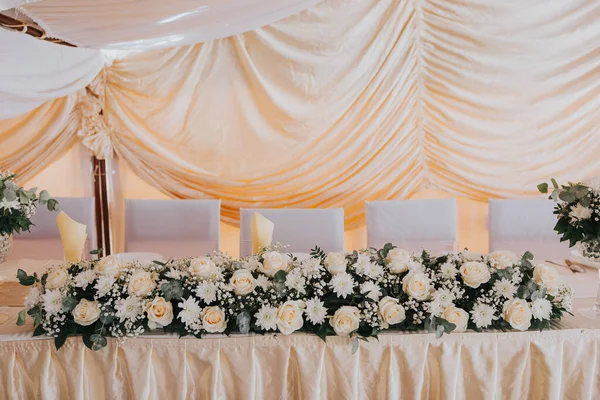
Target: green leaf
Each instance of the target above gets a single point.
(280, 276)
(60, 340)
(585, 201)
(97, 251)
(21, 318)
(554, 183)
(68, 304)
(52, 205)
(543, 188)
(39, 331)
(355, 344)
(172, 290)
(44, 196)
(9, 195)
(567, 196)
(23, 199)
(98, 341)
(21, 275)
(439, 331)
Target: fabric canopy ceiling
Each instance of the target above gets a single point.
(353, 100)
(139, 25)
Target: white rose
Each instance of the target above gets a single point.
(335, 263)
(289, 317)
(203, 267)
(345, 320)
(398, 260)
(141, 283)
(474, 273)
(108, 266)
(547, 277)
(458, 317)
(391, 311)
(213, 319)
(159, 311)
(242, 282)
(86, 312)
(503, 259)
(517, 313)
(57, 278)
(273, 262)
(417, 286)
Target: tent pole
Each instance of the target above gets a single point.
(101, 206)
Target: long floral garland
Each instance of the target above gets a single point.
(358, 294)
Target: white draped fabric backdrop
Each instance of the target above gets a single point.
(346, 101)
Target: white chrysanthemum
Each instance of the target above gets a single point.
(104, 284)
(266, 318)
(483, 315)
(444, 297)
(52, 301)
(415, 266)
(315, 311)
(579, 213)
(504, 287)
(437, 308)
(541, 309)
(33, 298)
(310, 266)
(294, 280)
(342, 284)
(190, 311)
(128, 308)
(10, 205)
(174, 274)
(263, 282)
(371, 290)
(85, 278)
(251, 264)
(373, 270)
(207, 291)
(448, 270)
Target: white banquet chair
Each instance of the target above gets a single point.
(43, 242)
(300, 229)
(413, 225)
(521, 225)
(172, 228)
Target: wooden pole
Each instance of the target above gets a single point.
(101, 206)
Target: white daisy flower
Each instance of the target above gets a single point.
(444, 297)
(504, 287)
(483, 315)
(266, 318)
(207, 291)
(579, 213)
(174, 273)
(251, 264)
(52, 301)
(448, 270)
(310, 266)
(263, 282)
(294, 280)
(104, 284)
(129, 308)
(415, 266)
(33, 298)
(342, 284)
(190, 311)
(85, 278)
(315, 311)
(370, 290)
(541, 309)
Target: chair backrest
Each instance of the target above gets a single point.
(413, 225)
(523, 225)
(301, 229)
(43, 242)
(172, 228)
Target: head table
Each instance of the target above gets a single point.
(559, 363)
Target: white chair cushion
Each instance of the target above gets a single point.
(301, 229)
(173, 228)
(413, 225)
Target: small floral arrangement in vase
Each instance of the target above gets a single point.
(17, 206)
(578, 212)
